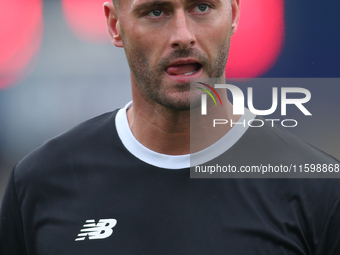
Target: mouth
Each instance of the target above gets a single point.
(183, 69)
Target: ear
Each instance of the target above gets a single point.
(113, 27)
(235, 5)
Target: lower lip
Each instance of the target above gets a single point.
(181, 78)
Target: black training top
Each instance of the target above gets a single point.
(84, 192)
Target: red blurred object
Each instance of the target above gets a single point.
(86, 19)
(20, 35)
(259, 38)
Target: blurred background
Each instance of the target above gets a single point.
(58, 67)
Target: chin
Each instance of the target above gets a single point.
(179, 103)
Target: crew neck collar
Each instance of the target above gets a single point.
(177, 161)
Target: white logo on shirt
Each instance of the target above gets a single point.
(101, 230)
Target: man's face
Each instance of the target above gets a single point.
(169, 42)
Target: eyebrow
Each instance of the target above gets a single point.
(155, 3)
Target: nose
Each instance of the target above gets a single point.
(182, 36)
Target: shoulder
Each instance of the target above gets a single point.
(65, 150)
(277, 143)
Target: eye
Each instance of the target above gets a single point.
(155, 13)
(202, 8)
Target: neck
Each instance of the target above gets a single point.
(172, 132)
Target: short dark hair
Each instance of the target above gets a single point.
(115, 3)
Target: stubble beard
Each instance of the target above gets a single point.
(150, 80)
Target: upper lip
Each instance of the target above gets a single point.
(184, 61)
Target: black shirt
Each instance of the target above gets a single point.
(84, 192)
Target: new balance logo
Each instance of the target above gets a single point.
(101, 230)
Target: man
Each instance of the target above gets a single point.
(120, 183)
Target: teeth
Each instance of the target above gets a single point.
(191, 72)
